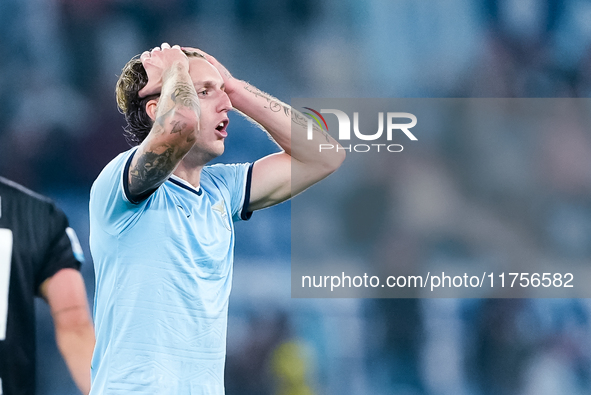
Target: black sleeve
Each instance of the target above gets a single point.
(59, 249)
(245, 214)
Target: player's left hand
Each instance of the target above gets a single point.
(226, 76)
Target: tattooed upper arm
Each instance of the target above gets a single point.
(149, 170)
(160, 153)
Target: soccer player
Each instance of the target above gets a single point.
(39, 256)
(161, 219)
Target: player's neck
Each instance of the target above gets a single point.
(191, 174)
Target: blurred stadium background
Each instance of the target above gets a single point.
(59, 126)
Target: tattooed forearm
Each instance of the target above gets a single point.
(299, 119)
(178, 126)
(167, 121)
(184, 95)
(256, 91)
(275, 105)
(150, 170)
(160, 120)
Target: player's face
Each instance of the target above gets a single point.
(215, 105)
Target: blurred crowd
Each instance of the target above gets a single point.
(59, 126)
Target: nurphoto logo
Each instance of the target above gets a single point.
(344, 133)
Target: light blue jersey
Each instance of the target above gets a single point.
(163, 271)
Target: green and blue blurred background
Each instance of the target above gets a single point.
(59, 126)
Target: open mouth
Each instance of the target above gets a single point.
(222, 127)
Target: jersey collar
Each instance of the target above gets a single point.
(184, 184)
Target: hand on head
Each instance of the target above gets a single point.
(220, 68)
(156, 62)
(160, 58)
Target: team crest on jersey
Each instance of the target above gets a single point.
(220, 207)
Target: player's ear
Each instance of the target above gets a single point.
(151, 106)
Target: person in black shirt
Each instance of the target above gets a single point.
(39, 256)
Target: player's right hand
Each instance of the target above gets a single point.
(156, 62)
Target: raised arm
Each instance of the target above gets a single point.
(66, 295)
(176, 120)
(278, 177)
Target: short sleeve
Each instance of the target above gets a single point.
(237, 179)
(109, 206)
(62, 249)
